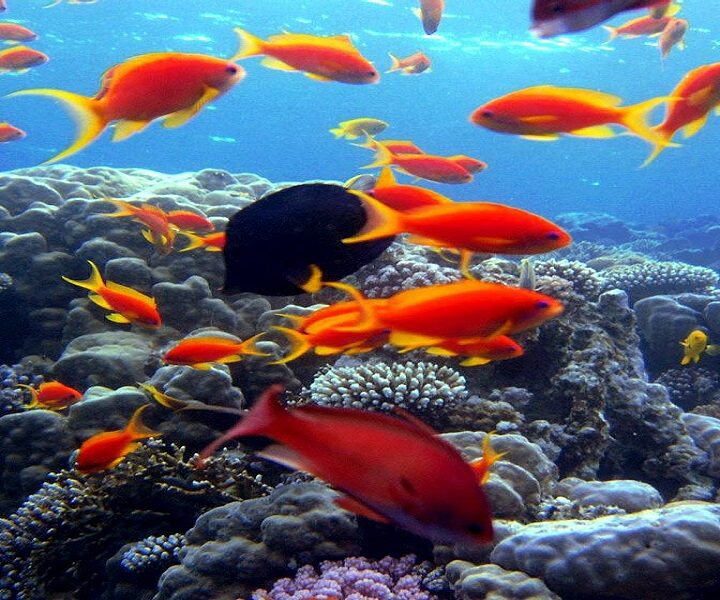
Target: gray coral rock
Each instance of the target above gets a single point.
(669, 552)
(234, 548)
(705, 431)
(626, 494)
(490, 582)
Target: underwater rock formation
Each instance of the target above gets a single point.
(478, 582)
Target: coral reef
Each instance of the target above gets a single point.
(585, 280)
(478, 582)
(689, 388)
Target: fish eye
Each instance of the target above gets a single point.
(231, 69)
(371, 73)
(557, 8)
(487, 114)
(542, 304)
(553, 235)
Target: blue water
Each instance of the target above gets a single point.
(276, 124)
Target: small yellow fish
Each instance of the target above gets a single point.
(482, 465)
(695, 344)
(355, 128)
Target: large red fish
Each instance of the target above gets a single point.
(389, 469)
(134, 93)
(697, 94)
(545, 111)
(554, 17)
(323, 58)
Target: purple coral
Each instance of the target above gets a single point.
(353, 579)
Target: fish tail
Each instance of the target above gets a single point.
(663, 141)
(635, 117)
(381, 220)
(368, 143)
(337, 132)
(93, 283)
(135, 427)
(386, 179)
(249, 347)
(195, 241)
(383, 158)
(298, 345)
(250, 45)
(265, 412)
(124, 209)
(612, 31)
(395, 66)
(34, 398)
(85, 111)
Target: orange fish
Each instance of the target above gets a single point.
(410, 65)
(128, 305)
(389, 469)
(642, 26)
(672, 35)
(188, 220)
(212, 242)
(466, 226)
(203, 351)
(479, 351)
(463, 309)
(322, 58)
(545, 111)
(489, 457)
(158, 232)
(697, 94)
(51, 395)
(12, 32)
(10, 133)
(423, 166)
(21, 58)
(392, 146)
(107, 449)
(430, 13)
(173, 85)
(404, 197)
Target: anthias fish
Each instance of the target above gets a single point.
(410, 65)
(12, 32)
(389, 469)
(642, 26)
(392, 146)
(545, 111)
(188, 220)
(424, 166)
(355, 128)
(476, 351)
(107, 449)
(555, 17)
(673, 35)
(134, 93)
(323, 58)
(51, 395)
(273, 243)
(21, 58)
(404, 197)
(158, 232)
(430, 13)
(202, 352)
(10, 133)
(695, 96)
(211, 242)
(127, 305)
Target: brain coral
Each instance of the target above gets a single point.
(655, 278)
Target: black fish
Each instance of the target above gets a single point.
(272, 242)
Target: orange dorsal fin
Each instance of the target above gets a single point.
(135, 427)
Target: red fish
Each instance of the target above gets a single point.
(467, 226)
(404, 197)
(202, 352)
(21, 58)
(423, 166)
(10, 133)
(392, 146)
(554, 17)
(545, 111)
(389, 469)
(410, 65)
(188, 220)
(479, 351)
(322, 58)
(107, 449)
(464, 309)
(430, 13)
(52, 395)
(128, 305)
(697, 94)
(134, 93)
(158, 232)
(12, 32)
(647, 25)
(212, 242)
(673, 35)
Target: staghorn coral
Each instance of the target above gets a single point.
(59, 539)
(585, 280)
(424, 389)
(668, 552)
(354, 578)
(490, 582)
(234, 548)
(657, 278)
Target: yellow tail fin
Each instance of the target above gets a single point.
(195, 241)
(386, 179)
(136, 428)
(298, 345)
(634, 117)
(395, 66)
(93, 283)
(88, 118)
(612, 31)
(34, 400)
(382, 221)
(368, 143)
(250, 45)
(383, 158)
(250, 349)
(338, 132)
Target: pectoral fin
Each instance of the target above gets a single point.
(474, 361)
(117, 318)
(179, 118)
(550, 137)
(100, 301)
